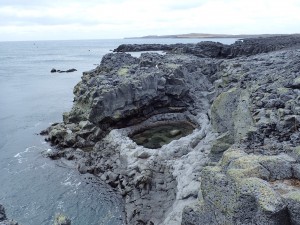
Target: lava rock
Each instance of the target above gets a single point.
(3, 218)
(245, 47)
(2, 213)
(244, 102)
(61, 219)
(71, 70)
(63, 71)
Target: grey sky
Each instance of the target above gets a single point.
(94, 19)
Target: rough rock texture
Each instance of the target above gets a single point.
(146, 47)
(61, 219)
(3, 218)
(134, 94)
(245, 47)
(238, 190)
(2, 213)
(241, 165)
(124, 91)
(255, 182)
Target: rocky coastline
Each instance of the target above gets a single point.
(3, 218)
(243, 47)
(59, 219)
(241, 163)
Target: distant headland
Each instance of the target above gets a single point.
(205, 35)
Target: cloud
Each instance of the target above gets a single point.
(23, 4)
(121, 18)
(184, 5)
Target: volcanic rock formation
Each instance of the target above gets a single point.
(243, 47)
(3, 218)
(240, 165)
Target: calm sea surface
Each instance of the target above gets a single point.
(33, 188)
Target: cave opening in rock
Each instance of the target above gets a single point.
(158, 135)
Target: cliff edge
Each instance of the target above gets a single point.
(239, 165)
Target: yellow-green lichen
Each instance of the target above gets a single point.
(117, 115)
(222, 143)
(253, 171)
(297, 80)
(296, 152)
(123, 71)
(230, 155)
(172, 65)
(61, 219)
(223, 96)
(237, 174)
(293, 195)
(245, 162)
(267, 199)
(282, 90)
(212, 169)
(221, 111)
(242, 118)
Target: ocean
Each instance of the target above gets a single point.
(33, 188)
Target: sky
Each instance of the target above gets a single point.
(105, 19)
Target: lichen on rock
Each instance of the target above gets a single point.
(61, 219)
(238, 166)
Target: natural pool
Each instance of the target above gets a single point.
(156, 136)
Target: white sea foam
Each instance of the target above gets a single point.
(18, 155)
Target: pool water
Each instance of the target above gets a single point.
(156, 136)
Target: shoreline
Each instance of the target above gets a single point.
(232, 93)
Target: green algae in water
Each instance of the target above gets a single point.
(157, 136)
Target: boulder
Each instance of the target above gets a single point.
(237, 191)
(61, 219)
(230, 113)
(222, 143)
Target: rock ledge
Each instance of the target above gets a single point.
(240, 165)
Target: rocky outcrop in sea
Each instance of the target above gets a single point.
(215, 129)
(3, 218)
(53, 70)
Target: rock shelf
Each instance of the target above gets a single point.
(238, 164)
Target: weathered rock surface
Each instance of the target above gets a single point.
(245, 47)
(124, 91)
(241, 164)
(238, 190)
(146, 47)
(61, 219)
(130, 93)
(255, 182)
(2, 213)
(3, 218)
